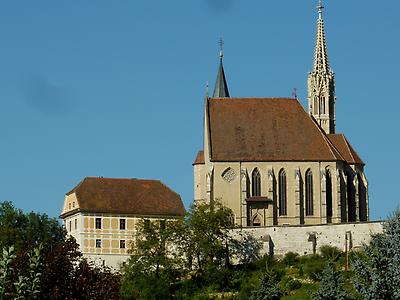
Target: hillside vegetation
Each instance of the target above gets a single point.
(191, 258)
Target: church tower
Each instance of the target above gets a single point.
(321, 82)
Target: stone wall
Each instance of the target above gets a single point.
(308, 239)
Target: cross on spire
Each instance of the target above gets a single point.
(320, 8)
(221, 46)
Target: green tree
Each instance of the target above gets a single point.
(331, 285)
(207, 240)
(268, 288)
(377, 268)
(39, 261)
(154, 264)
(27, 231)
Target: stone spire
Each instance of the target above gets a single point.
(321, 81)
(221, 87)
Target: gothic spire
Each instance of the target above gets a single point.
(321, 63)
(321, 82)
(221, 87)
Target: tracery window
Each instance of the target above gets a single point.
(282, 193)
(309, 194)
(256, 183)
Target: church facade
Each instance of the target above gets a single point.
(274, 163)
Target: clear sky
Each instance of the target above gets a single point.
(115, 88)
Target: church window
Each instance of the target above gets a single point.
(282, 193)
(229, 175)
(322, 105)
(69, 205)
(98, 223)
(70, 225)
(309, 194)
(256, 183)
(76, 224)
(98, 243)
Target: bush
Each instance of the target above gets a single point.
(313, 266)
(289, 284)
(290, 259)
(330, 252)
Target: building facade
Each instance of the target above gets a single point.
(101, 214)
(273, 163)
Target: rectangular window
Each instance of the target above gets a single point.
(122, 244)
(76, 224)
(98, 223)
(98, 243)
(70, 225)
(122, 224)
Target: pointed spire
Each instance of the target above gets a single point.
(321, 81)
(221, 87)
(321, 63)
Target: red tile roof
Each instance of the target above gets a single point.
(266, 129)
(199, 158)
(346, 150)
(127, 196)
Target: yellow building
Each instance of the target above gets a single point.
(273, 163)
(101, 213)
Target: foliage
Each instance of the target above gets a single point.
(332, 284)
(39, 261)
(377, 268)
(268, 288)
(153, 263)
(23, 284)
(6, 269)
(290, 259)
(312, 266)
(188, 257)
(330, 252)
(27, 231)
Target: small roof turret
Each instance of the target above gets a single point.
(221, 87)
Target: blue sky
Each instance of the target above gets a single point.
(115, 88)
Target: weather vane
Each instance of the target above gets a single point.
(221, 46)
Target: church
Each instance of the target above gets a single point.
(275, 163)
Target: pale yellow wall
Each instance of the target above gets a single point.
(109, 234)
(230, 193)
(199, 182)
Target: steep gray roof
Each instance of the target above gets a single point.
(221, 87)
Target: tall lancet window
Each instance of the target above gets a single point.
(282, 193)
(309, 194)
(256, 183)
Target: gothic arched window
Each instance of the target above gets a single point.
(256, 183)
(282, 193)
(309, 194)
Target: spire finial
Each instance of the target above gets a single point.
(320, 8)
(221, 46)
